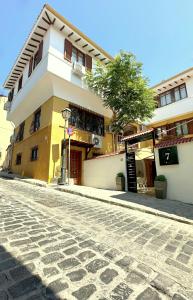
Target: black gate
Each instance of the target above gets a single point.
(131, 172)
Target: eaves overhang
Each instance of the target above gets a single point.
(49, 17)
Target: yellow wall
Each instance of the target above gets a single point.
(6, 130)
(48, 138)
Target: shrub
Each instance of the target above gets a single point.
(120, 174)
(160, 178)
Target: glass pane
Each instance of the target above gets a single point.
(177, 94)
(183, 92)
(74, 57)
(185, 128)
(81, 58)
(168, 98)
(178, 129)
(163, 100)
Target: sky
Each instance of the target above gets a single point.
(158, 32)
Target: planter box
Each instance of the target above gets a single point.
(160, 189)
(120, 183)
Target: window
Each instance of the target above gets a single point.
(181, 128)
(38, 55)
(173, 95)
(78, 56)
(36, 124)
(85, 120)
(18, 159)
(180, 92)
(20, 132)
(10, 96)
(34, 153)
(20, 83)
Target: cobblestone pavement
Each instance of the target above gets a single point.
(55, 245)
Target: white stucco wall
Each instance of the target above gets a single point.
(180, 176)
(101, 172)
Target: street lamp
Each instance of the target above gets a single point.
(66, 113)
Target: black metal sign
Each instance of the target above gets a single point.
(168, 156)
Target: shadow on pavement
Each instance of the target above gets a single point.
(175, 207)
(17, 280)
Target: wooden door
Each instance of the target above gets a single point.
(75, 165)
(150, 171)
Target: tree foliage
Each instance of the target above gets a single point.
(123, 89)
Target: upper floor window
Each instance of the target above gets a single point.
(73, 54)
(11, 94)
(78, 56)
(86, 120)
(20, 83)
(173, 95)
(181, 128)
(18, 159)
(38, 55)
(34, 153)
(37, 120)
(20, 132)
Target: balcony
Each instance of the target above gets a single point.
(173, 110)
(78, 69)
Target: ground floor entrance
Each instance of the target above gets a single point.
(75, 166)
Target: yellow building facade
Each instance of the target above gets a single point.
(48, 139)
(6, 130)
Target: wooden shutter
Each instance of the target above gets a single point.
(190, 127)
(30, 66)
(88, 62)
(40, 51)
(67, 50)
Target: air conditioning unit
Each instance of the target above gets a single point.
(97, 141)
(77, 69)
(7, 106)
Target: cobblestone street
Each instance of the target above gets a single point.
(55, 245)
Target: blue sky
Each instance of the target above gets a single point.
(158, 32)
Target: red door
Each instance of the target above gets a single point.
(75, 165)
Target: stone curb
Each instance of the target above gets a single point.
(122, 203)
(125, 204)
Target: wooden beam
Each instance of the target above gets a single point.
(38, 34)
(48, 17)
(97, 54)
(188, 76)
(84, 46)
(176, 82)
(70, 34)
(27, 54)
(49, 23)
(170, 84)
(102, 59)
(22, 63)
(38, 41)
(24, 58)
(77, 40)
(15, 73)
(182, 79)
(19, 67)
(29, 50)
(91, 50)
(62, 28)
(12, 76)
(42, 28)
(53, 21)
(32, 45)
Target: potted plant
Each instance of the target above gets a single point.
(160, 185)
(120, 182)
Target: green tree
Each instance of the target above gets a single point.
(123, 89)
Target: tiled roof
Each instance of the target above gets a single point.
(138, 134)
(174, 142)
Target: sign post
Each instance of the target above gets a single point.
(70, 132)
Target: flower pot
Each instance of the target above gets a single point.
(160, 189)
(120, 183)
